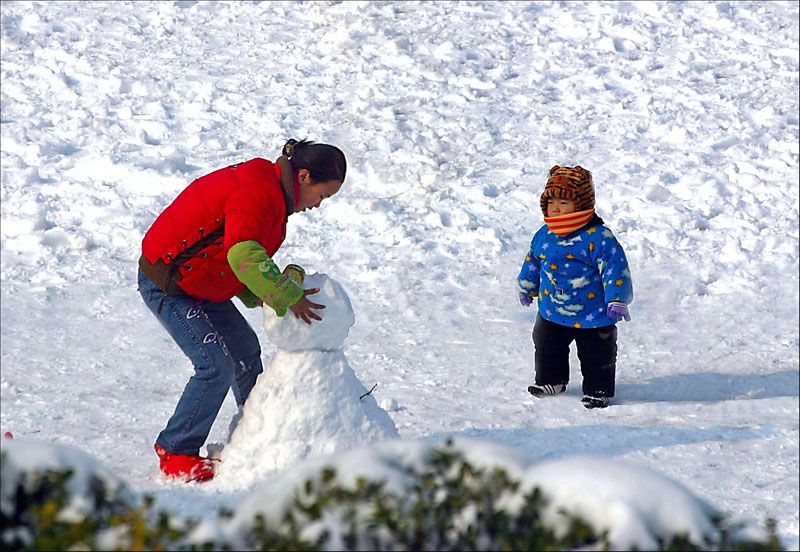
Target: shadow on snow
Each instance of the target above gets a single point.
(710, 386)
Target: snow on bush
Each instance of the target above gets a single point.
(400, 495)
(64, 484)
(580, 501)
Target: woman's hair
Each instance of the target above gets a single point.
(323, 162)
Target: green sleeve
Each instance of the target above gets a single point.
(263, 278)
(248, 298)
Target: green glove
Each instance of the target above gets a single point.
(295, 274)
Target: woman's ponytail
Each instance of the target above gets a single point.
(323, 162)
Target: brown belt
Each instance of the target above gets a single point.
(165, 276)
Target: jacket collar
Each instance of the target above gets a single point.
(289, 183)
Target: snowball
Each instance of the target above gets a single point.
(293, 334)
(389, 405)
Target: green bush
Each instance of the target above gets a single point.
(449, 505)
(40, 517)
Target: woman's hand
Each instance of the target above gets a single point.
(302, 309)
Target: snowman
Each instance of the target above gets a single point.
(308, 401)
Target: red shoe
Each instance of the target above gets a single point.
(185, 467)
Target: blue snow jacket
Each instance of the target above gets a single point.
(576, 276)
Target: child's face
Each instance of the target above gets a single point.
(558, 206)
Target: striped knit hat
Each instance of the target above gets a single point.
(573, 183)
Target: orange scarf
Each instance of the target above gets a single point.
(563, 225)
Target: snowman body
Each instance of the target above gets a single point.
(308, 401)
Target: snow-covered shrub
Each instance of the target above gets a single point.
(56, 497)
(425, 496)
(448, 504)
(404, 496)
(56, 494)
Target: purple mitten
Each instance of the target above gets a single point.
(525, 300)
(618, 309)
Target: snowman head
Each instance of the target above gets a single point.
(292, 334)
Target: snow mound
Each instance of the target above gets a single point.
(640, 507)
(308, 401)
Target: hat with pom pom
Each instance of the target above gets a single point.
(574, 183)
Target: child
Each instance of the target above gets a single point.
(578, 271)
(216, 241)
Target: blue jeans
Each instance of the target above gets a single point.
(224, 350)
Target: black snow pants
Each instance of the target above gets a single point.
(597, 352)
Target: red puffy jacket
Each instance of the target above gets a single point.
(238, 203)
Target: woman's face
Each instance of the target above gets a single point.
(312, 193)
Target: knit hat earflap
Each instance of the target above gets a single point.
(574, 183)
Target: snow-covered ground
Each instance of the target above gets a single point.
(450, 115)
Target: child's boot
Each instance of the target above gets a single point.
(542, 390)
(185, 467)
(594, 401)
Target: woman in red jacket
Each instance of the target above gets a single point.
(213, 242)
